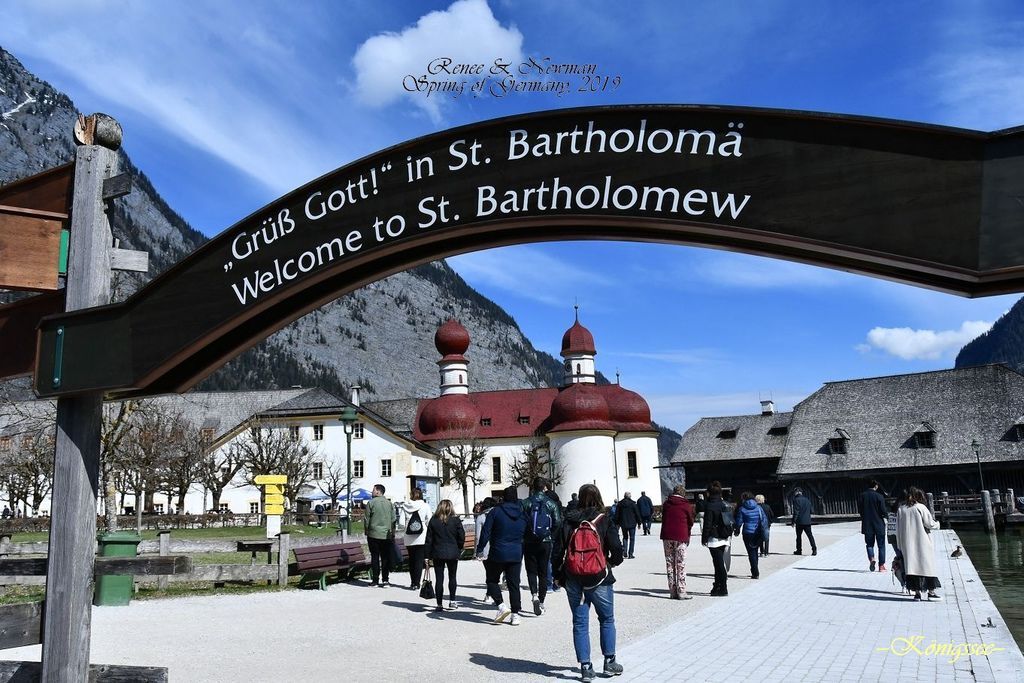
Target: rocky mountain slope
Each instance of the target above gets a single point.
(1004, 343)
(358, 339)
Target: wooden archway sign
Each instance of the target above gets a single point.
(927, 205)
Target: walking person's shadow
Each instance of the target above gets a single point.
(522, 666)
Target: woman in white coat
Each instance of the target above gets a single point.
(914, 525)
(417, 516)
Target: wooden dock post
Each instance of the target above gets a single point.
(931, 502)
(1011, 502)
(986, 505)
(944, 507)
(165, 549)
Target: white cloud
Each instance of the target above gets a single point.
(467, 32)
(909, 344)
(528, 272)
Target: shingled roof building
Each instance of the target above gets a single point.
(902, 430)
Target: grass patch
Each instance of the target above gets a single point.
(219, 532)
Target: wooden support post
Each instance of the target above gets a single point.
(986, 504)
(165, 549)
(284, 548)
(931, 502)
(72, 547)
(5, 544)
(944, 495)
(1011, 502)
(997, 497)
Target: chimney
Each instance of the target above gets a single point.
(355, 395)
(768, 407)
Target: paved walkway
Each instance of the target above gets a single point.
(807, 618)
(827, 618)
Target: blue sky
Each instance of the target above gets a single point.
(228, 105)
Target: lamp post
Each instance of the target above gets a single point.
(981, 479)
(348, 423)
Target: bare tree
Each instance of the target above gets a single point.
(187, 453)
(143, 457)
(334, 482)
(26, 451)
(265, 448)
(116, 428)
(461, 458)
(536, 461)
(217, 469)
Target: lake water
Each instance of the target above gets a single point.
(999, 559)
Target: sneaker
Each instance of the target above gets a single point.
(871, 567)
(439, 609)
(814, 552)
(501, 614)
(586, 671)
(374, 584)
(386, 584)
(542, 608)
(917, 597)
(611, 667)
(686, 596)
(536, 606)
(798, 552)
(881, 567)
(514, 621)
(452, 606)
(934, 596)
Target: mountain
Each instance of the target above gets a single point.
(1004, 343)
(357, 339)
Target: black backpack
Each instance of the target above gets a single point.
(415, 524)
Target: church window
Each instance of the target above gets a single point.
(385, 467)
(631, 466)
(357, 469)
(578, 369)
(460, 379)
(496, 470)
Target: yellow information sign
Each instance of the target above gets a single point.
(273, 499)
(273, 509)
(271, 479)
(273, 489)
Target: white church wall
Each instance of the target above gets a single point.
(585, 458)
(646, 478)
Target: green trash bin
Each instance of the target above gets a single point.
(116, 590)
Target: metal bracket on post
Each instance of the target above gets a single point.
(58, 357)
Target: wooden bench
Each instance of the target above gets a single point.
(469, 547)
(317, 560)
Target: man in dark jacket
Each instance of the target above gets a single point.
(873, 514)
(543, 518)
(802, 522)
(504, 531)
(646, 507)
(628, 516)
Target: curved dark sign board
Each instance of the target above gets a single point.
(932, 206)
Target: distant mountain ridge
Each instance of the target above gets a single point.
(360, 338)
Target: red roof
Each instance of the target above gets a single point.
(503, 410)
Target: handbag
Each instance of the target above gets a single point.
(427, 589)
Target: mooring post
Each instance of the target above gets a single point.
(1011, 502)
(986, 505)
(997, 497)
(72, 546)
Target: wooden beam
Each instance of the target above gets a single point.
(20, 625)
(151, 566)
(117, 186)
(128, 259)
(26, 672)
(29, 250)
(34, 566)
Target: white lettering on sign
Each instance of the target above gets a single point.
(622, 140)
(264, 281)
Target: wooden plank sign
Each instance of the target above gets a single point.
(263, 479)
(273, 509)
(274, 499)
(29, 248)
(273, 489)
(18, 323)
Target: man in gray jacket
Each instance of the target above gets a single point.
(380, 534)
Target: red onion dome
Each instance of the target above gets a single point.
(579, 406)
(627, 409)
(577, 339)
(452, 416)
(451, 339)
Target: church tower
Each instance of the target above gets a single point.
(578, 351)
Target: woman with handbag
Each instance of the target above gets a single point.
(444, 540)
(416, 515)
(914, 526)
(715, 533)
(752, 523)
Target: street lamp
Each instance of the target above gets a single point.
(348, 423)
(976, 446)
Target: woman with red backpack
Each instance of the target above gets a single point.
(585, 550)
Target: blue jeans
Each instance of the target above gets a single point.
(603, 600)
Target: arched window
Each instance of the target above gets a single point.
(460, 378)
(578, 369)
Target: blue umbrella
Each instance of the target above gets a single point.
(357, 495)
